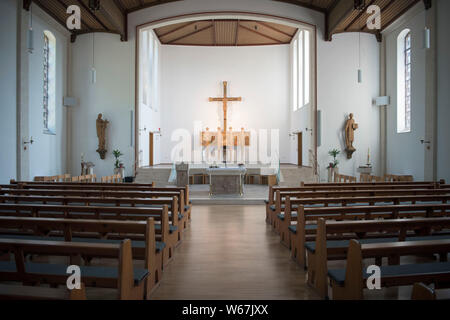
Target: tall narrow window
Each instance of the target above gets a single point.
(301, 69)
(408, 82)
(295, 75)
(49, 85)
(155, 74)
(148, 64)
(307, 67)
(301, 74)
(404, 77)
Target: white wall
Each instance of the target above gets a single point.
(150, 115)
(338, 91)
(405, 153)
(48, 152)
(340, 94)
(112, 95)
(443, 63)
(190, 75)
(8, 64)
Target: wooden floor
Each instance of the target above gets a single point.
(230, 253)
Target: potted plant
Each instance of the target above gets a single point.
(118, 165)
(333, 166)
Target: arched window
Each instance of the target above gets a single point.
(404, 82)
(49, 103)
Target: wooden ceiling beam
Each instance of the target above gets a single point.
(148, 5)
(115, 17)
(261, 34)
(92, 14)
(340, 12)
(399, 14)
(177, 29)
(236, 36)
(190, 34)
(274, 29)
(49, 12)
(309, 5)
(214, 33)
(359, 15)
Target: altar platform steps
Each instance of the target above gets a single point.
(254, 194)
(291, 175)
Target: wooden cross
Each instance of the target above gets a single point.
(225, 100)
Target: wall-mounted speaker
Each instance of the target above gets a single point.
(382, 101)
(70, 102)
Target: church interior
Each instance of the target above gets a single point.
(224, 150)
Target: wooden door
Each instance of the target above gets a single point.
(151, 149)
(300, 149)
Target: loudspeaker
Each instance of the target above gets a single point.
(382, 101)
(70, 102)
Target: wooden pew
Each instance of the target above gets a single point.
(306, 184)
(107, 187)
(423, 292)
(369, 178)
(304, 187)
(144, 245)
(172, 203)
(164, 232)
(348, 283)
(17, 292)
(81, 192)
(129, 281)
(295, 238)
(112, 179)
(341, 178)
(397, 178)
(278, 206)
(323, 249)
(360, 201)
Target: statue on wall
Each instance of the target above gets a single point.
(350, 128)
(101, 134)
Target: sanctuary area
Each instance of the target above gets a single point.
(224, 150)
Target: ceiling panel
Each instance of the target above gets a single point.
(112, 18)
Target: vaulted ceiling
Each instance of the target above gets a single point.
(225, 33)
(340, 16)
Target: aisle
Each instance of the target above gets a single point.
(230, 253)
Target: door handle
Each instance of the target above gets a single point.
(29, 142)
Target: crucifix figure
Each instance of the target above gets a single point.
(225, 99)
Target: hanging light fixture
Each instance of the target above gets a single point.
(359, 5)
(94, 5)
(93, 70)
(427, 38)
(359, 60)
(426, 33)
(30, 39)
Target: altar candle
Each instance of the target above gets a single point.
(368, 156)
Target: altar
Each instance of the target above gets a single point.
(226, 180)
